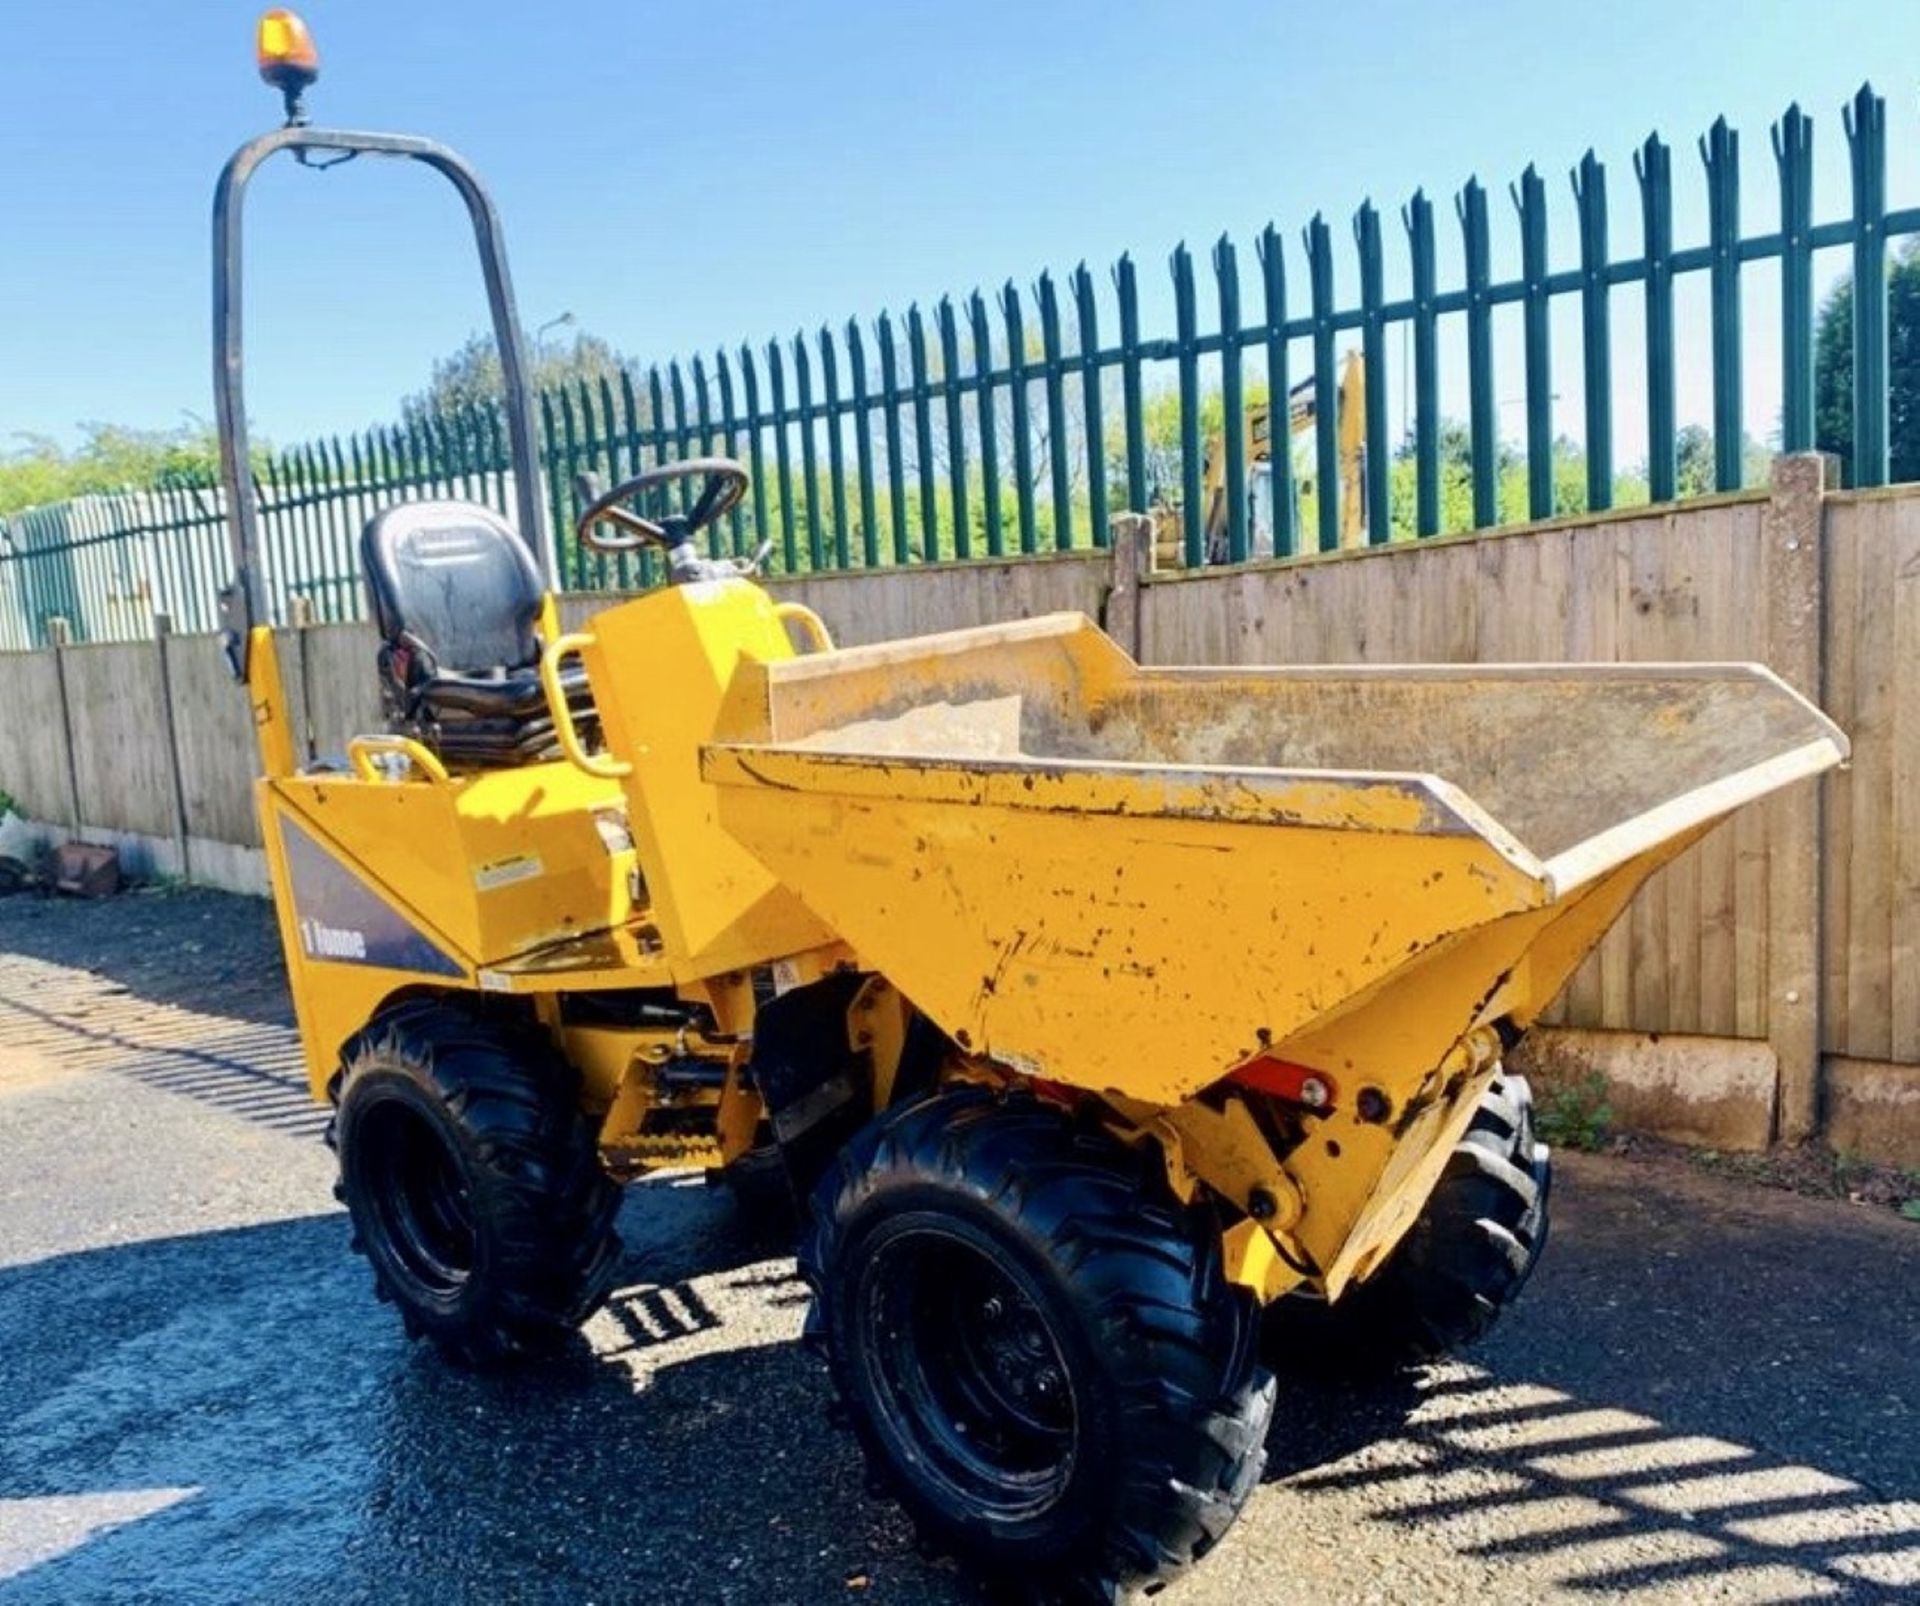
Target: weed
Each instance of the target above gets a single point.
(1575, 1115)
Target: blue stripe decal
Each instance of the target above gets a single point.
(343, 921)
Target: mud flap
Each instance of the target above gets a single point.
(817, 1087)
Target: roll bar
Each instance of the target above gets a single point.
(244, 604)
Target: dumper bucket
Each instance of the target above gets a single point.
(1129, 880)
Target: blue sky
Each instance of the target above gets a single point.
(684, 176)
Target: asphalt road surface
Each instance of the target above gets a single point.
(1709, 1392)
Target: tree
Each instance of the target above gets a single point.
(110, 457)
(1693, 465)
(1833, 369)
(470, 379)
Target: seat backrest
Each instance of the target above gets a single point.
(455, 577)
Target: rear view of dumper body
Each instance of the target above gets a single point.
(1107, 1036)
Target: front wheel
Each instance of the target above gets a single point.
(473, 1180)
(1035, 1343)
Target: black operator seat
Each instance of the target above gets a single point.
(456, 599)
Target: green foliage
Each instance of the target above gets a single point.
(1574, 1115)
(7, 804)
(1833, 369)
(1910, 1208)
(110, 457)
(1510, 466)
(469, 379)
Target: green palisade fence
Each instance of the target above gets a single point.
(1003, 425)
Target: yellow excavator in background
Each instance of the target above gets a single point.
(1302, 414)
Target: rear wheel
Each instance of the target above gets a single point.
(1461, 1264)
(1035, 1343)
(473, 1180)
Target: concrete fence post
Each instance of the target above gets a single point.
(1792, 577)
(1130, 543)
(59, 637)
(176, 774)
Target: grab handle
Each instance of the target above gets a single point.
(605, 769)
(798, 613)
(361, 751)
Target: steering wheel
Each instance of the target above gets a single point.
(725, 482)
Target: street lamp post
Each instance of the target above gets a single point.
(564, 321)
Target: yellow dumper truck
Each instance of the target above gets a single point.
(1121, 1033)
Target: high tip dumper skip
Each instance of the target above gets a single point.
(1116, 1033)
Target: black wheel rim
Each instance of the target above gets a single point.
(966, 1372)
(419, 1195)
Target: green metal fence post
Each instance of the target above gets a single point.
(703, 418)
(1720, 152)
(730, 435)
(357, 467)
(782, 456)
(657, 438)
(1055, 390)
(756, 452)
(1793, 155)
(333, 466)
(989, 424)
(863, 446)
(497, 455)
(630, 567)
(809, 454)
(890, 400)
(956, 428)
(590, 458)
(309, 556)
(596, 577)
(923, 435)
(685, 490)
(1087, 327)
(1377, 479)
(1417, 216)
(836, 456)
(1596, 327)
(1866, 125)
(1233, 409)
(1132, 403)
(610, 428)
(1483, 417)
(1326, 393)
(1273, 284)
(1022, 425)
(1653, 167)
(1193, 513)
(1530, 201)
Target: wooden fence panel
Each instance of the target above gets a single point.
(1872, 817)
(213, 722)
(343, 687)
(119, 735)
(33, 747)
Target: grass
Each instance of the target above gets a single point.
(1574, 1115)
